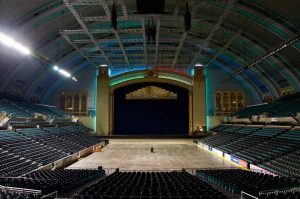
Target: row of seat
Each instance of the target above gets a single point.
(285, 107)
(25, 150)
(18, 108)
(150, 185)
(256, 145)
(237, 180)
(61, 180)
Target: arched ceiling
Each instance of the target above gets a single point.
(76, 34)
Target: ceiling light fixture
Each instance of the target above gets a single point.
(198, 65)
(10, 42)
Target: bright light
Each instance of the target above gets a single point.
(64, 73)
(10, 42)
(199, 65)
(56, 68)
(103, 65)
(73, 78)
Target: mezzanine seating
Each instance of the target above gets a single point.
(150, 185)
(285, 107)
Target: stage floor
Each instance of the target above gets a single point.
(134, 154)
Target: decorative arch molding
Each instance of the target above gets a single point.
(142, 76)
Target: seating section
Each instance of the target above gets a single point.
(4, 194)
(237, 180)
(24, 150)
(51, 111)
(61, 180)
(256, 144)
(287, 165)
(285, 107)
(22, 113)
(150, 185)
(12, 110)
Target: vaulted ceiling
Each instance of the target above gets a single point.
(77, 34)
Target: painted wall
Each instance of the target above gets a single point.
(86, 82)
(214, 77)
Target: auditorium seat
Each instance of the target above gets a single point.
(150, 185)
(287, 106)
(48, 181)
(286, 165)
(237, 180)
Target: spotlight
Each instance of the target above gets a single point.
(103, 65)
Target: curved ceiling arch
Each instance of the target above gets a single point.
(274, 24)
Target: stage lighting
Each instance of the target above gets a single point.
(198, 65)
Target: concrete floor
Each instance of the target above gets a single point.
(134, 154)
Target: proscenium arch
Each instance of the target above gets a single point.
(153, 80)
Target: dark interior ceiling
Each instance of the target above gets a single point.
(77, 34)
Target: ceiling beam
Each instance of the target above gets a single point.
(84, 27)
(268, 54)
(77, 49)
(157, 40)
(144, 42)
(183, 37)
(213, 31)
(229, 42)
(108, 14)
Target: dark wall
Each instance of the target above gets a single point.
(151, 117)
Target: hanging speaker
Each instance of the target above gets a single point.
(114, 21)
(187, 18)
(150, 6)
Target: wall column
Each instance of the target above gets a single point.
(111, 111)
(199, 99)
(79, 108)
(102, 104)
(190, 112)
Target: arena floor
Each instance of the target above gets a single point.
(134, 154)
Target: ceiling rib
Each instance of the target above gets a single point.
(268, 54)
(234, 37)
(77, 49)
(157, 40)
(108, 14)
(85, 29)
(183, 37)
(212, 32)
(144, 42)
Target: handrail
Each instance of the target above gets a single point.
(285, 190)
(242, 192)
(50, 194)
(20, 190)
